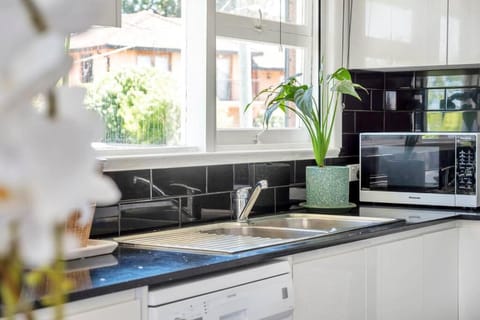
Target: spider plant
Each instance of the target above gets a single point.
(298, 98)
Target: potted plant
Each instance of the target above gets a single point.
(327, 186)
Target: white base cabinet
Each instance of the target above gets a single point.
(331, 287)
(469, 270)
(410, 275)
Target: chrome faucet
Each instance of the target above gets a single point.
(148, 183)
(242, 207)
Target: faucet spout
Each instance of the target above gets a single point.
(243, 216)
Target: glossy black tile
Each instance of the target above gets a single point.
(220, 178)
(377, 99)
(300, 166)
(265, 202)
(462, 99)
(399, 121)
(354, 192)
(352, 103)
(134, 185)
(180, 181)
(243, 174)
(407, 100)
(276, 173)
(370, 79)
(369, 121)
(399, 80)
(350, 145)
(211, 207)
(151, 215)
(282, 199)
(348, 121)
(341, 161)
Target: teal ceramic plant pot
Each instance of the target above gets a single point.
(327, 187)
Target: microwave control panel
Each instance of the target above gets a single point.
(466, 168)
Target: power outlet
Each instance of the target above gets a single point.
(353, 172)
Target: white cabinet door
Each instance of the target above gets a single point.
(469, 267)
(330, 288)
(398, 33)
(463, 26)
(394, 280)
(440, 275)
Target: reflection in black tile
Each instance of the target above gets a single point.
(462, 99)
(348, 124)
(419, 121)
(447, 78)
(409, 100)
(105, 221)
(276, 173)
(265, 202)
(300, 166)
(243, 174)
(352, 103)
(377, 99)
(467, 121)
(369, 121)
(130, 187)
(435, 99)
(178, 181)
(163, 213)
(370, 80)
(397, 80)
(349, 145)
(220, 178)
(211, 207)
(398, 121)
(341, 161)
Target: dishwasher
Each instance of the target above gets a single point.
(262, 292)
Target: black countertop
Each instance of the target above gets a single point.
(128, 268)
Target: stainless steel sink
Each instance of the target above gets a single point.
(265, 232)
(320, 222)
(233, 237)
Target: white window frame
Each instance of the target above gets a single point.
(296, 35)
(203, 24)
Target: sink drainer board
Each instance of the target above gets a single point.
(217, 239)
(233, 237)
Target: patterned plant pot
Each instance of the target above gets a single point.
(327, 187)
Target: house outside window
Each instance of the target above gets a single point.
(138, 76)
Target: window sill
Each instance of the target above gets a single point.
(192, 159)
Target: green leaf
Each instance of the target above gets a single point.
(342, 74)
(346, 87)
(303, 100)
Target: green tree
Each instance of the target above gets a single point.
(166, 8)
(139, 106)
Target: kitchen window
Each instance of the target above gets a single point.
(144, 80)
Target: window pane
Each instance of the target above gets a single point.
(243, 70)
(134, 74)
(291, 11)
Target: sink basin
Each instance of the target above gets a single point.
(233, 237)
(319, 222)
(267, 232)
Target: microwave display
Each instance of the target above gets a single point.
(414, 163)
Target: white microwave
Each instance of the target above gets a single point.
(420, 168)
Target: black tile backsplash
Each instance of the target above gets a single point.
(429, 100)
(276, 173)
(300, 166)
(180, 181)
(220, 178)
(132, 184)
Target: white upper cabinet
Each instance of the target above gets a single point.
(463, 26)
(398, 33)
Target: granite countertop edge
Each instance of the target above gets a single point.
(238, 260)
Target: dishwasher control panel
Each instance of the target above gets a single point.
(268, 297)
